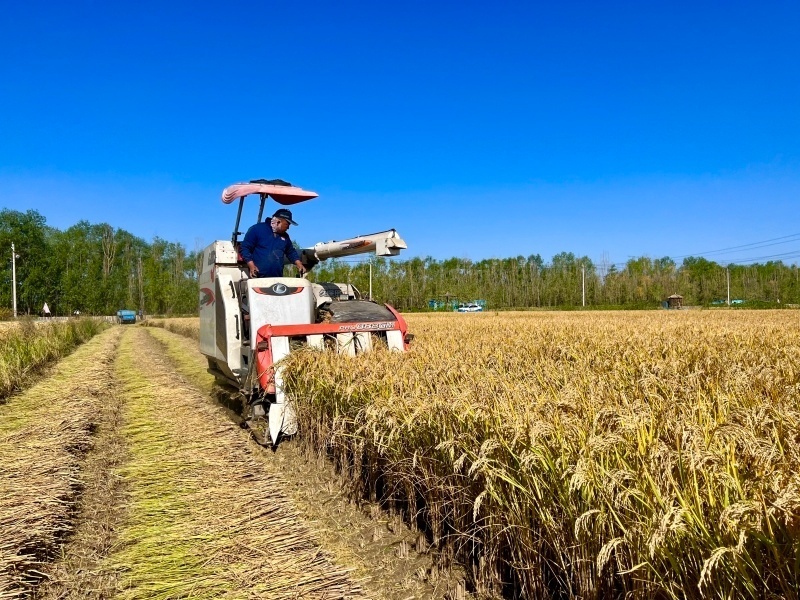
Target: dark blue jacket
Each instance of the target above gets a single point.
(267, 250)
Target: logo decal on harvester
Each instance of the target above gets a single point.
(367, 326)
(278, 289)
(355, 244)
(206, 297)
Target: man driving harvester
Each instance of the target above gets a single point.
(265, 245)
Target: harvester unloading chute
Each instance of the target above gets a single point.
(384, 243)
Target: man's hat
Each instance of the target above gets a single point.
(285, 214)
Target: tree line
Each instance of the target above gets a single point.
(93, 269)
(568, 281)
(97, 269)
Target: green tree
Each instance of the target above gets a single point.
(28, 232)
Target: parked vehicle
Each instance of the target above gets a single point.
(471, 307)
(126, 316)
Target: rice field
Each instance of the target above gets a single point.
(551, 455)
(636, 455)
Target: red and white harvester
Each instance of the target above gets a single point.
(248, 325)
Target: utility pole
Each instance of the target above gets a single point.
(370, 281)
(14, 277)
(728, 277)
(583, 284)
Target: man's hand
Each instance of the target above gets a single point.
(300, 267)
(253, 270)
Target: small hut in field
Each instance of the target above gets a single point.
(675, 301)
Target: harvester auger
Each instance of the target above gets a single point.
(248, 325)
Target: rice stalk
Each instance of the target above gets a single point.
(44, 434)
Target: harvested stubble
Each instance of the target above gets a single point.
(633, 455)
(186, 326)
(29, 346)
(44, 433)
(360, 537)
(204, 521)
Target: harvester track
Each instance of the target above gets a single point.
(203, 518)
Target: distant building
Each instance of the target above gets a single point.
(674, 301)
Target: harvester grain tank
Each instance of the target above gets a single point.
(249, 325)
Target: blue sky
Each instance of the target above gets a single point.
(476, 129)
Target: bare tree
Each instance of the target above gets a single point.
(109, 249)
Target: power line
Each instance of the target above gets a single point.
(790, 254)
(783, 255)
(733, 249)
(752, 245)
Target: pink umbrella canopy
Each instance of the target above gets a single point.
(282, 192)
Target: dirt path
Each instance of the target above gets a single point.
(389, 560)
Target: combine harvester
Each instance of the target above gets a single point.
(247, 325)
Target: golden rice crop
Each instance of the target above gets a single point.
(186, 326)
(586, 455)
(28, 346)
(580, 454)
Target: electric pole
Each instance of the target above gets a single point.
(728, 277)
(14, 277)
(583, 284)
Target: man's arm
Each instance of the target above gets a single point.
(246, 248)
(294, 256)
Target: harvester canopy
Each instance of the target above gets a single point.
(277, 189)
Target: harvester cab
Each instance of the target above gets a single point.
(248, 325)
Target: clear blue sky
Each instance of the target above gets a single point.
(477, 129)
